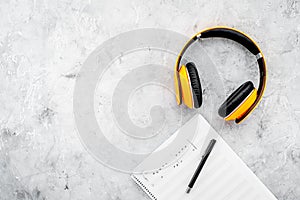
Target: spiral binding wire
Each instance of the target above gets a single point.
(144, 187)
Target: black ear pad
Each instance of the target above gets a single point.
(195, 84)
(235, 99)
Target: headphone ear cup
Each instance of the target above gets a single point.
(238, 102)
(177, 88)
(195, 84)
(185, 88)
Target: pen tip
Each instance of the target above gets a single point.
(188, 190)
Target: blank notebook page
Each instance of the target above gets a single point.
(223, 177)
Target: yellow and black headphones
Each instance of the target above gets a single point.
(243, 100)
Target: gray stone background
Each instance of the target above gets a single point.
(43, 45)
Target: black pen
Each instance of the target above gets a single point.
(201, 164)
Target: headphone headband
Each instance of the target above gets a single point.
(244, 40)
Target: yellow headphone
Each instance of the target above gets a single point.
(243, 100)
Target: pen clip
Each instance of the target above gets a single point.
(210, 147)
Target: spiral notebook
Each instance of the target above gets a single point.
(166, 173)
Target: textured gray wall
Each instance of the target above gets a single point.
(43, 45)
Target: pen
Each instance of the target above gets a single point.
(201, 164)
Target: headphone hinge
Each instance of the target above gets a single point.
(199, 36)
(258, 56)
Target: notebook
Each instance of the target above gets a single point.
(166, 173)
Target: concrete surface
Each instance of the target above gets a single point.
(43, 45)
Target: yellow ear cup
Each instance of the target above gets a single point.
(238, 102)
(177, 87)
(243, 107)
(187, 96)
